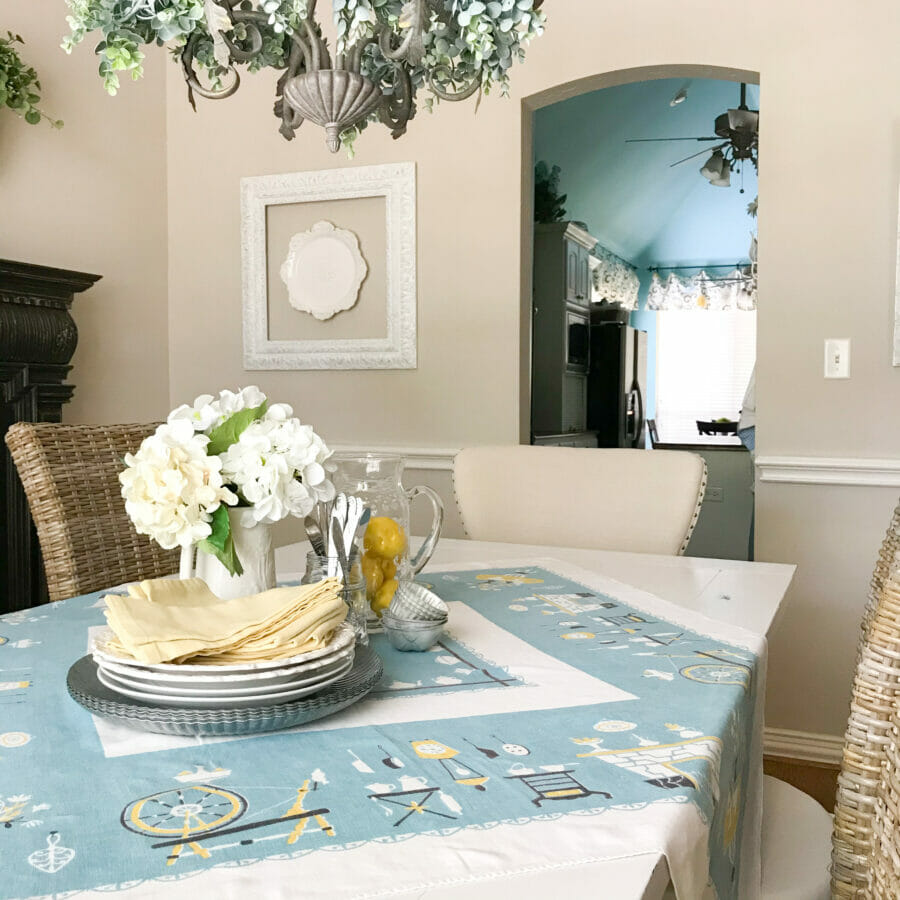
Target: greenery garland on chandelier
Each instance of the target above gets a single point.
(386, 52)
(19, 84)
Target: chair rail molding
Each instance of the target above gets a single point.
(851, 471)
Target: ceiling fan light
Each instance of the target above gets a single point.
(724, 180)
(715, 166)
(744, 120)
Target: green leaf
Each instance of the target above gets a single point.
(226, 434)
(220, 543)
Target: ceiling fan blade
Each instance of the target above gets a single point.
(698, 153)
(646, 140)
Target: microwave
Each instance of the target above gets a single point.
(578, 340)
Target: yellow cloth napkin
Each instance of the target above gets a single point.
(165, 620)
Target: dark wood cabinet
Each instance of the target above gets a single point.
(37, 339)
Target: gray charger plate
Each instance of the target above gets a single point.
(86, 689)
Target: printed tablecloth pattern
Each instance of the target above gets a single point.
(556, 695)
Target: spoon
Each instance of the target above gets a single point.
(490, 754)
(338, 544)
(314, 534)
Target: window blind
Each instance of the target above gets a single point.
(703, 363)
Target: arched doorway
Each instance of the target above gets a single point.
(576, 109)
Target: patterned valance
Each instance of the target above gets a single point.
(736, 290)
(614, 279)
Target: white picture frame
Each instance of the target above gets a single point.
(396, 183)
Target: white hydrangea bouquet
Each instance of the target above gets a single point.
(236, 450)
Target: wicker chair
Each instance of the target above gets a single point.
(865, 832)
(868, 775)
(886, 860)
(70, 475)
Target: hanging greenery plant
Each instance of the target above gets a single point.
(19, 84)
(451, 47)
(548, 202)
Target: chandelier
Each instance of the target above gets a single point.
(385, 52)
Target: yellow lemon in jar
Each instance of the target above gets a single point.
(371, 567)
(384, 537)
(383, 597)
(388, 569)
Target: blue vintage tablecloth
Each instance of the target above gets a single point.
(551, 699)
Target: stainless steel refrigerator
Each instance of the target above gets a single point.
(617, 381)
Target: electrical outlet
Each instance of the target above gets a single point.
(715, 494)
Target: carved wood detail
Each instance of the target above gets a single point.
(37, 339)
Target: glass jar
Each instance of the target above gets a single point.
(353, 592)
(386, 558)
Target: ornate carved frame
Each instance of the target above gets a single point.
(396, 182)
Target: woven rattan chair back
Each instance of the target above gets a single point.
(868, 741)
(70, 474)
(887, 559)
(886, 860)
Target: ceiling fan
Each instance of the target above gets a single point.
(737, 131)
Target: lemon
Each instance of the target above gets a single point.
(388, 569)
(384, 537)
(371, 567)
(383, 597)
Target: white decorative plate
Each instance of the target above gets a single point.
(223, 684)
(216, 698)
(323, 270)
(343, 637)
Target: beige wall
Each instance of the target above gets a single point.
(91, 197)
(827, 233)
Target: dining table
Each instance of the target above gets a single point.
(590, 723)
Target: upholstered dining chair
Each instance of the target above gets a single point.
(645, 501)
(70, 474)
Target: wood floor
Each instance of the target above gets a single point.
(816, 779)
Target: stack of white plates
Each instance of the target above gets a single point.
(237, 684)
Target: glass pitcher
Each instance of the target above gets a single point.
(386, 558)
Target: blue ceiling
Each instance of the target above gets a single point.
(631, 199)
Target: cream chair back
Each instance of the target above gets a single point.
(643, 501)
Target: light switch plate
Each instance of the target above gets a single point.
(837, 357)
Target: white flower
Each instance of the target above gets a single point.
(171, 487)
(203, 415)
(277, 465)
(209, 412)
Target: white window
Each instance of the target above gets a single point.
(703, 363)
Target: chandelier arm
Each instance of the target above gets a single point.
(356, 52)
(314, 60)
(396, 110)
(414, 33)
(462, 94)
(256, 44)
(291, 120)
(194, 85)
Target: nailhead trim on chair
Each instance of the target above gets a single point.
(701, 493)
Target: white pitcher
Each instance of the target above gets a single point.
(255, 550)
